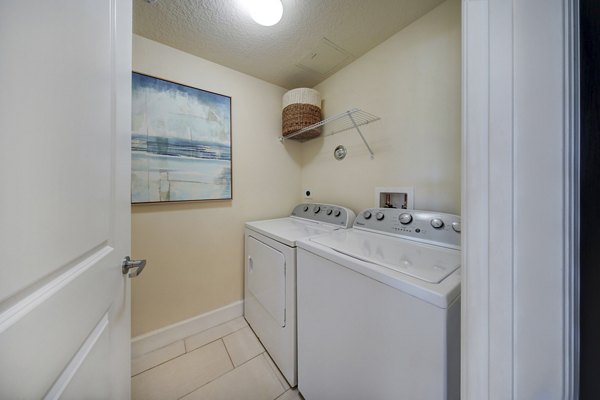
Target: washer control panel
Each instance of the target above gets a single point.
(426, 226)
(327, 213)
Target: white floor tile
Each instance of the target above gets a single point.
(291, 394)
(183, 374)
(156, 357)
(252, 381)
(242, 346)
(212, 334)
(276, 371)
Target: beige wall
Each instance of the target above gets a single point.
(411, 81)
(195, 250)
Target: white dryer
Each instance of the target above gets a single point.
(270, 276)
(379, 309)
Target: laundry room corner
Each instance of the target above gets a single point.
(195, 249)
(412, 81)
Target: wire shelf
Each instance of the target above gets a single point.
(351, 119)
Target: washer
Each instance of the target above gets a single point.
(270, 276)
(379, 308)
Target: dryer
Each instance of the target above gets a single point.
(379, 308)
(270, 276)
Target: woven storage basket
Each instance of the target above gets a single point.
(301, 108)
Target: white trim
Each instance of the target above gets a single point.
(475, 202)
(12, 313)
(501, 200)
(69, 372)
(161, 337)
(571, 212)
(519, 289)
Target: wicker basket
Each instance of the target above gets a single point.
(301, 108)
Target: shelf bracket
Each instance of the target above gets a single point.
(361, 135)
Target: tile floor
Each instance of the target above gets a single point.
(226, 362)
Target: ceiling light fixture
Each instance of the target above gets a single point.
(265, 12)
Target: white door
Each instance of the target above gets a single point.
(64, 198)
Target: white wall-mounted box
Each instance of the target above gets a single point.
(394, 197)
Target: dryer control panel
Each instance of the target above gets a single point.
(326, 213)
(425, 226)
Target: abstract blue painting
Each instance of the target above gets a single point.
(180, 143)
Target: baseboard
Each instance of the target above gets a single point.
(161, 337)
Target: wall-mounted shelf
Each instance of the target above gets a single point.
(351, 119)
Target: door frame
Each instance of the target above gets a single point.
(494, 113)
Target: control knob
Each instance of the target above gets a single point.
(437, 223)
(367, 214)
(405, 218)
(379, 216)
(316, 209)
(337, 213)
(456, 226)
(305, 208)
(329, 211)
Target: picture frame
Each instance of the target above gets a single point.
(180, 142)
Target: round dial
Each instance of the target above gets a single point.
(405, 218)
(329, 211)
(456, 226)
(367, 214)
(316, 209)
(337, 213)
(305, 208)
(379, 215)
(437, 223)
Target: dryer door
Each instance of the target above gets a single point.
(265, 268)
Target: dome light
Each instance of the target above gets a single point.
(265, 12)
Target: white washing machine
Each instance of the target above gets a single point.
(379, 309)
(270, 276)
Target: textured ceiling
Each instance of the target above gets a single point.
(314, 39)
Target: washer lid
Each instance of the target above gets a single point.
(287, 230)
(422, 261)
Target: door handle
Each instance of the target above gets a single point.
(128, 264)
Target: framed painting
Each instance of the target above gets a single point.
(180, 142)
